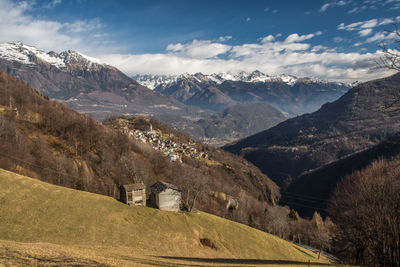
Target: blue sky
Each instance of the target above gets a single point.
(335, 39)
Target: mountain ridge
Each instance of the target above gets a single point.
(83, 83)
(289, 94)
(27, 54)
(154, 81)
(356, 121)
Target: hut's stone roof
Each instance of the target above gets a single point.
(160, 186)
(134, 186)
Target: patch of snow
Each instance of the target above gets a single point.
(288, 79)
(91, 59)
(153, 81)
(22, 53)
(14, 52)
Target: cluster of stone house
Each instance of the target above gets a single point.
(164, 143)
(164, 196)
(173, 150)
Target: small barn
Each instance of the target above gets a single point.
(166, 196)
(133, 194)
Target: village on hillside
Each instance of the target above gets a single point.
(162, 142)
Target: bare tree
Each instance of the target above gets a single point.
(391, 56)
(194, 187)
(366, 209)
(276, 221)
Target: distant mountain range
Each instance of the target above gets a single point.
(365, 116)
(289, 94)
(154, 81)
(216, 109)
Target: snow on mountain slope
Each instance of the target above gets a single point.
(152, 81)
(25, 54)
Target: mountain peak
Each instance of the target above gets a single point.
(30, 55)
(152, 81)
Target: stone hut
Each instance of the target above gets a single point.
(133, 194)
(166, 196)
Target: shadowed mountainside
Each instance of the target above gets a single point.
(309, 154)
(97, 89)
(318, 185)
(363, 117)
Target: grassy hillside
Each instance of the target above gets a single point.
(44, 223)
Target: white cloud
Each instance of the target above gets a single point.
(358, 25)
(353, 10)
(199, 49)
(17, 25)
(248, 19)
(299, 38)
(365, 32)
(268, 55)
(318, 48)
(52, 4)
(381, 36)
(268, 38)
(368, 24)
(366, 28)
(272, 54)
(333, 4)
(224, 38)
(386, 21)
(82, 25)
(267, 9)
(338, 39)
(175, 47)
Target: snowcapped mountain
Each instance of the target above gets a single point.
(154, 81)
(65, 61)
(82, 82)
(291, 95)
